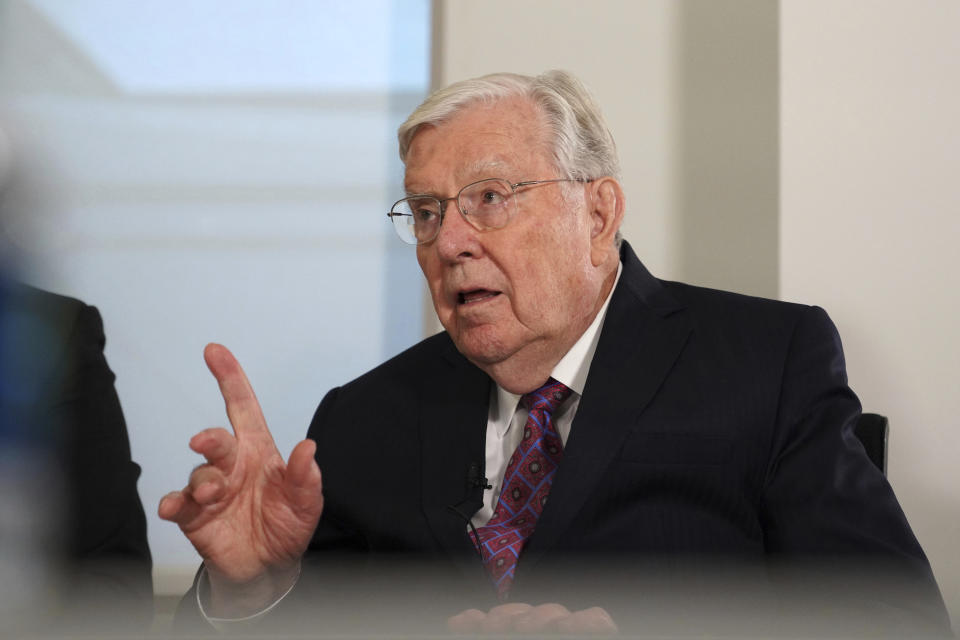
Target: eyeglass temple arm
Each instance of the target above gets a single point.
(529, 182)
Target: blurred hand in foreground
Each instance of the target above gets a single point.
(517, 617)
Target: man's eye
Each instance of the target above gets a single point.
(491, 197)
(424, 215)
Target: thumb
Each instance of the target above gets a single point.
(303, 480)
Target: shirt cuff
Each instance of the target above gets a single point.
(226, 624)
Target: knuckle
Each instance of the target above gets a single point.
(202, 473)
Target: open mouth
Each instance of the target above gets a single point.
(477, 295)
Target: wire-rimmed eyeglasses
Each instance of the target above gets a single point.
(485, 204)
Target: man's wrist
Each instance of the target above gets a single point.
(222, 600)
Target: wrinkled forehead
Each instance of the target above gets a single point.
(463, 171)
(505, 139)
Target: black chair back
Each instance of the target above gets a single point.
(872, 429)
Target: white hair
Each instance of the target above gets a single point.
(582, 146)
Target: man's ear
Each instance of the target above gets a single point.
(606, 204)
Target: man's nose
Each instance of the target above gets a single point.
(457, 238)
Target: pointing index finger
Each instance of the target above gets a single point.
(243, 409)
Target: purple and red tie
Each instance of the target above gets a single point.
(526, 484)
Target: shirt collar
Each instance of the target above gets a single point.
(572, 369)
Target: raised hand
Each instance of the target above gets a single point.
(248, 514)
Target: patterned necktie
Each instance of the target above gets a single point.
(526, 484)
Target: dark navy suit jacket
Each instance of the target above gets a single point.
(712, 426)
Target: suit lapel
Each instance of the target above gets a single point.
(643, 334)
(452, 434)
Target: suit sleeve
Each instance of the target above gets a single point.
(826, 506)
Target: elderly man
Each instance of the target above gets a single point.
(663, 421)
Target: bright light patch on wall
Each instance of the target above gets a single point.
(217, 171)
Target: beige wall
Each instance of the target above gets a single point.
(622, 51)
(689, 90)
(801, 149)
(870, 221)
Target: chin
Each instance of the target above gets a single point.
(482, 346)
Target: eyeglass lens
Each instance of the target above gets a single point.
(487, 204)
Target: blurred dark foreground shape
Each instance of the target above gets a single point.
(74, 557)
